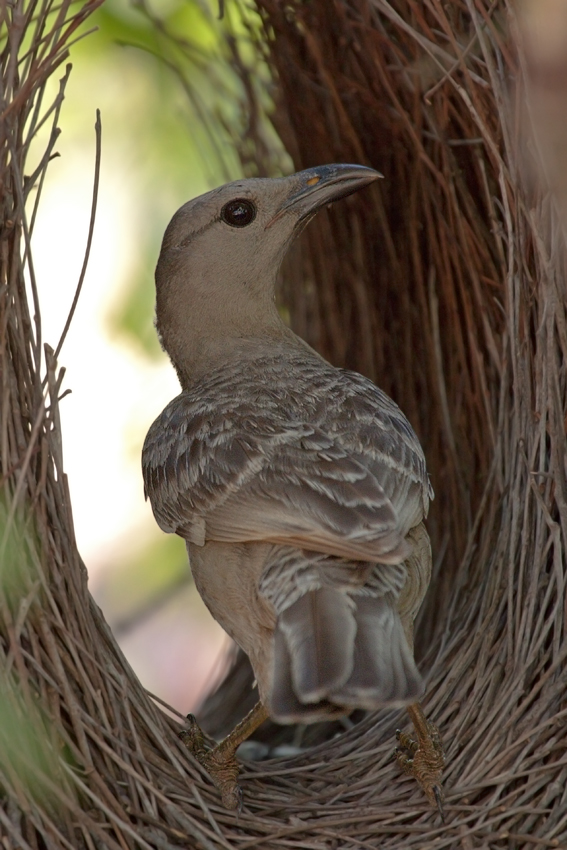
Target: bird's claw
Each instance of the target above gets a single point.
(219, 762)
(407, 749)
(424, 759)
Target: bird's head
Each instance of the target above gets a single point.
(221, 253)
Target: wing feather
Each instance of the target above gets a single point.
(322, 460)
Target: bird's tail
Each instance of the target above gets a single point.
(335, 651)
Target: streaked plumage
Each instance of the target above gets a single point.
(319, 478)
(299, 488)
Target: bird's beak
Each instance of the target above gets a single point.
(313, 188)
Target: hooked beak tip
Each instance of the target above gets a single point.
(315, 187)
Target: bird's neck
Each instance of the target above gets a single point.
(198, 345)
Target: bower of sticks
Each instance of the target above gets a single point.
(446, 285)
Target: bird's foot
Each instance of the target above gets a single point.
(423, 758)
(219, 762)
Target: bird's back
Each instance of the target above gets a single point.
(282, 406)
(296, 485)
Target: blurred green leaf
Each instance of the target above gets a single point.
(132, 589)
(32, 753)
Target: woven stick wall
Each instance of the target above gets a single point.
(449, 288)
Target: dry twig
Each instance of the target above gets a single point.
(458, 310)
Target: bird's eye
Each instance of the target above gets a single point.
(238, 213)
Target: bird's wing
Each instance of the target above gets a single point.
(232, 472)
(370, 426)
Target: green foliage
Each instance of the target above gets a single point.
(15, 554)
(187, 120)
(32, 755)
(136, 586)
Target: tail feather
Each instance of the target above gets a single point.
(319, 629)
(384, 671)
(284, 704)
(334, 652)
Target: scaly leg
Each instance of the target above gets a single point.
(220, 761)
(424, 759)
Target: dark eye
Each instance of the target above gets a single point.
(238, 213)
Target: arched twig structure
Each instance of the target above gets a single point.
(449, 289)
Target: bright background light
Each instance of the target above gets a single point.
(118, 387)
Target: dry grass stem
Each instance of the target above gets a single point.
(447, 286)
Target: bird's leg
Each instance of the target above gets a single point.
(424, 759)
(220, 761)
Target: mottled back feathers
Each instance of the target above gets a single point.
(289, 450)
